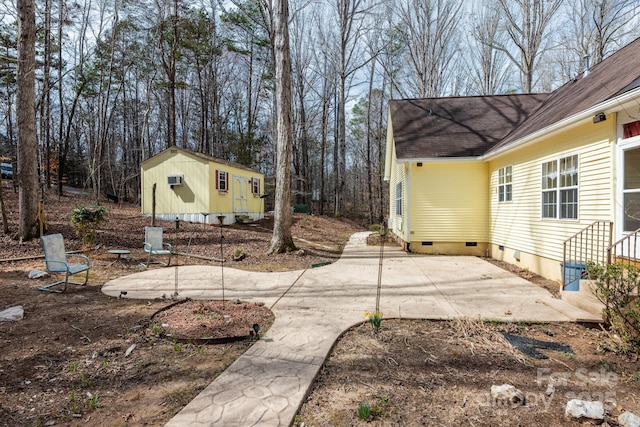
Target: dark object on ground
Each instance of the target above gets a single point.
(528, 346)
(113, 197)
(7, 170)
(320, 264)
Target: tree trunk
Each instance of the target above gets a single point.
(341, 152)
(369, 165)
(45, 100)
(5, 221)
(282, 239)
(27, 143)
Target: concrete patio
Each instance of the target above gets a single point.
(268, 383)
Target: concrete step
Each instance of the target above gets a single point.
(584, 298)
(244, 219)
(572, 312)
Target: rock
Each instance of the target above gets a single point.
(551, 388)
(36, 274)
(507, 393)
(585, 410)
(300, 252)
(129, 350)
(12, 314)
(629, 419)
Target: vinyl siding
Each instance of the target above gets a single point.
(397, 175)
(223, 202)
(519, 225)
(192, 196)
(449, 202)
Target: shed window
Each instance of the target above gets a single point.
(560, 188)
(222, 181)
(399, 199)
(505, 190)
(255, 186)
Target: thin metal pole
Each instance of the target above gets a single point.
(383, 237)
(221, 219)
(175, 278)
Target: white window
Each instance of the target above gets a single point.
(255, 186)
(505, 190)
(631, 190)
(222, 181)
(560, 188)
(399, 199)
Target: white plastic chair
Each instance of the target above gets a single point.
(56, 261)
(153, 245)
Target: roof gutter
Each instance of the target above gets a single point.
(614, 104)
(438, 159)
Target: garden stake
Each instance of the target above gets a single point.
(189, 243)
(383, 234)
(221, 219)
(176, 281)
(175, 293)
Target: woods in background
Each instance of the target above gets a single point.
(118, 81)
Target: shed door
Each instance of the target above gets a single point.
(240, 195)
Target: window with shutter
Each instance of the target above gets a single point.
(222, 181)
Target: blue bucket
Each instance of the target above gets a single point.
(573, 271)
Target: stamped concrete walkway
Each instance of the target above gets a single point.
(268, 383)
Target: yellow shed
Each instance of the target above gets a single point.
(197, 187)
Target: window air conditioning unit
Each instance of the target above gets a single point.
(173, 180)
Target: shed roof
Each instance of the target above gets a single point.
(473, 126)
(204, 157)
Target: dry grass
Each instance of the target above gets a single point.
(482, 337)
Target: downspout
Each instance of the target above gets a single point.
(617, 175)
(388, 158)
(407, 205)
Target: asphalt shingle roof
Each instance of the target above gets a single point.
(457, 126)
(476, 125)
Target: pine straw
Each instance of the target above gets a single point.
(482, 337)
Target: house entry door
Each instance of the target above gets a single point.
(240, 195)
(630, 211)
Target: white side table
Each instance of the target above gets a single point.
(120, 254)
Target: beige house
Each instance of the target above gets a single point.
(541, 181)
(198, 188)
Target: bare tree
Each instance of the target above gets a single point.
(350, 15)
(301, 59)
(282, 239)
(489, 69)
(325, 71)
(429, 30)
(26, 116)
(526, 23)
(168, 40)
(595, 28)
(610, 18)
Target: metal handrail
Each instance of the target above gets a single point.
(590, 244)
(631, 255)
